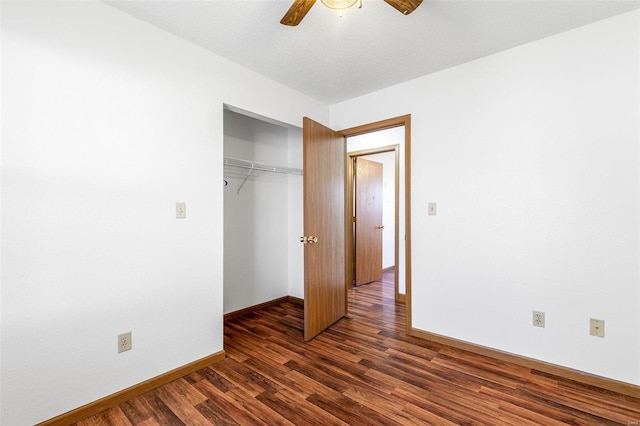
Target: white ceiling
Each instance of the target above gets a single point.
(333, 58)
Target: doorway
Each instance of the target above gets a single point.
(378, 131)
(374, 198)
(262, 211)
(324, 302)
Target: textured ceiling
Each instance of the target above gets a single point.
(334, 58)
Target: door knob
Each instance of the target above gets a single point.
(380, 227)
(310, 240)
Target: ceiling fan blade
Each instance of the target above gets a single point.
(297, 11)
(404, 6)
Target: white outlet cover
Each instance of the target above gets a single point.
(538, 319)
(124, 342)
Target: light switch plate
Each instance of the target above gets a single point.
(181, 210)
(596, 327)
(433, 209)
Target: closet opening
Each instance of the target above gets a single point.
(263, 261)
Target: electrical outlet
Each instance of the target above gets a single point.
(596, 327)
(124, 342)
(538, 319)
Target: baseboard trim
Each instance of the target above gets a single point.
(251, 309)
(389, 268)
(112, 400)
(295, 300)
(534, 364)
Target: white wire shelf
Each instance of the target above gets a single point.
(252, 166)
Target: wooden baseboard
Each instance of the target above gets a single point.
(534, 364)
(295, 300)
(264, 305)
(254, 308)
(112, 400)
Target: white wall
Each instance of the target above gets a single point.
(533, 157)
(382, 138)
(388, 161)
(256, 218)
(106, 123)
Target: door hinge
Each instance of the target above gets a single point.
(354, 219)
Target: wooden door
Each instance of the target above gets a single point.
(325, 296)
(368, 226)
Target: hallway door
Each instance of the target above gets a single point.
(368, 221)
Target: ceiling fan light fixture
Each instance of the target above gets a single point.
(339, 4)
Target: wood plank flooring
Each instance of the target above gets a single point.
(364, 370)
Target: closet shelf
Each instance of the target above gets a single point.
(257, 166)
(262, 167)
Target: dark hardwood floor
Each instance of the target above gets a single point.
(364, 370)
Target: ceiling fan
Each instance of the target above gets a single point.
(299, 8)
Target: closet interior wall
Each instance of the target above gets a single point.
(262, 217)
